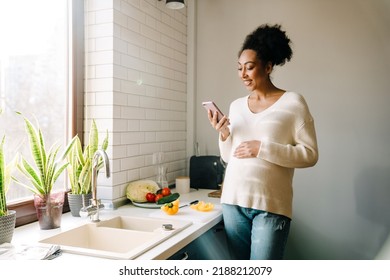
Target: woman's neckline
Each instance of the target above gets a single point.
(266, 109)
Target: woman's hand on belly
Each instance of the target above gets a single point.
(247, 149)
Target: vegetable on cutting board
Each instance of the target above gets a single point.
(171, 208)
(202, 206)
(168, 198)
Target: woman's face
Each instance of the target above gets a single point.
(252, 71)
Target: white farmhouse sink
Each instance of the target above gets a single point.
(121, 237)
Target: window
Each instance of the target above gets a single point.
(35, 59)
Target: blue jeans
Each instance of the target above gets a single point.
(255, 234)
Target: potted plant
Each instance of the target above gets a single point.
(80, 169)
(7, 217)
(43, 176)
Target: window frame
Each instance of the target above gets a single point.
(25, 209)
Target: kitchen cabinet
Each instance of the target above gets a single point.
(211, 245)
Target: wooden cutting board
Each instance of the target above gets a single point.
(215, 193)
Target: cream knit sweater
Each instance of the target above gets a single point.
(288, 140)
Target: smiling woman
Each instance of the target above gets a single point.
(35, 62)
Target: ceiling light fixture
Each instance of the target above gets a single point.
(175, 4)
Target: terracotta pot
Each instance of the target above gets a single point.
(7, 227)
(49, 209)
(76, 202)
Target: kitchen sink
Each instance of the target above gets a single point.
(121, 237)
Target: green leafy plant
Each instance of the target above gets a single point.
(80, 162)
(5, 178)
(47, 167)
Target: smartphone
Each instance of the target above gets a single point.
(210, 105)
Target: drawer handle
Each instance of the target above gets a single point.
(185, 256)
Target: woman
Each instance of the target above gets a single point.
(268, 134)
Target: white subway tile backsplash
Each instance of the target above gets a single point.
(119, 152)
(120, 18)
(179, 56)
(132, 62)
(100, 30)
(150, 9)
(133, 100)
(95, 5)
(132, 150)
(104, 98)
(104, 71)
(150, 136)
(150, 33)
(133, 75)
(120, 72)
(104, 43)
(132, 162)
(133, 175)
(132, 113)
(149, 148)
(150, 125)
(132, 37)
(151, 22)
(130, 138)
(165, 72)
(133, 125)
(120, 46)
(100, 112)
(132, 87)
(148, 172)
(133, 50)
(101, 57)
(133, 11)
(150, 102)
(151, 80)
(150, 56)
(102, 84)
(120, 178)
(120, 125)
(136, 87)
(104, 16)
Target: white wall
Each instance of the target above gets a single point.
(341, 64)
(136, 88)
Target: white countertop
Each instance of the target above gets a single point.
(31, 233)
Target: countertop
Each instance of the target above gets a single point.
(31, 233)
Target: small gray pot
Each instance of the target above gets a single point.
(76, 202)
(7, 227)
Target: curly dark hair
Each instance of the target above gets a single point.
(270, 43)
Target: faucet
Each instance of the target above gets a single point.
(93, 209)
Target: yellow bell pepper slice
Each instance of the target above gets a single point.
(202, 206)
(171, 208)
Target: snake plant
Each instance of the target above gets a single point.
(47, 167)
(80, 162)
(5, 178)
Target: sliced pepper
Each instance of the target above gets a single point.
(171, 208)
(202, 206)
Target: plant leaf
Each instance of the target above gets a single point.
(35, 145)
(3, 203)
(93, 139)
(31, 174)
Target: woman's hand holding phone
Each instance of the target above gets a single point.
(217, 119)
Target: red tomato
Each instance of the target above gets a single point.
(150, 197)
(166, 191)
(158, 196)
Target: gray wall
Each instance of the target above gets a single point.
(341, 64)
